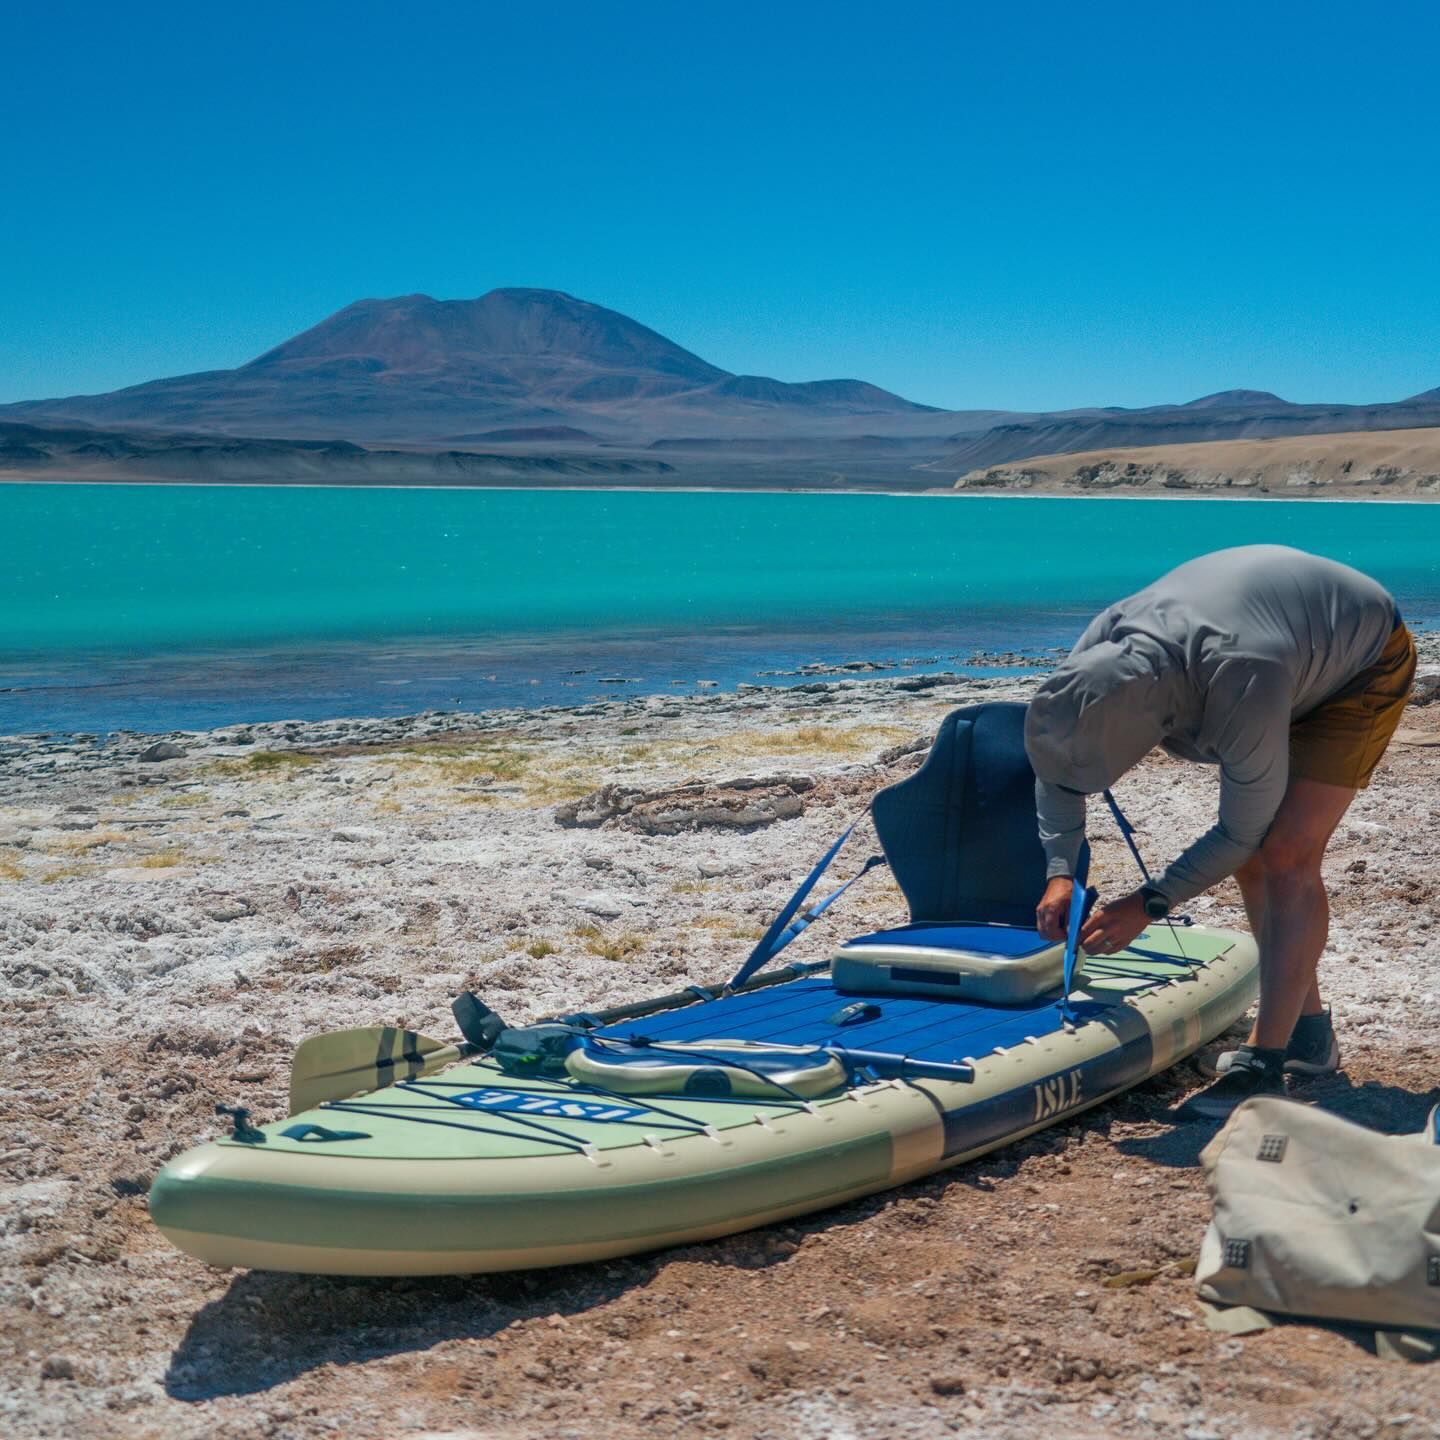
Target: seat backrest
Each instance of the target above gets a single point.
(961, 833)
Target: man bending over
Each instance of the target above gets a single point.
(1289, 672)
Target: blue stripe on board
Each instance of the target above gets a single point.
(988, 1121)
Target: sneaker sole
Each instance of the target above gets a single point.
(1329, 1066)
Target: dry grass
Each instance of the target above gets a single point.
(324, 960)
(65, 872)
(539, 949)
(474, 770)
(714, 922)
(9, 870)
(727, 927)
(164, 859)
(265, 762)
(88, 840)
(552, 789)
(829, 739)
(186, 800)
(622, 947)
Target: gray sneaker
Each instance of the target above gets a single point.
(1313, 1048)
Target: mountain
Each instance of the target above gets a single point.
(1234, 400)
(416, 369)
(543, 373)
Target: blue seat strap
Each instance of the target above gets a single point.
(813, 912)
(1078, 898)
(781, 931)
(1128, 831)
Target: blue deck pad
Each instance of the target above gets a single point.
(983, 939)
(797, 1014)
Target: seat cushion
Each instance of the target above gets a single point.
(1008, 940)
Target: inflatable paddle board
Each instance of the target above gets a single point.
(476, 1170)
(716, 1110)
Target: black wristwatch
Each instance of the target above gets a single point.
(1157, 907)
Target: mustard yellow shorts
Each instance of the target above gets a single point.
(1341, 741)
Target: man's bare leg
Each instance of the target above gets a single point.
(1288, 908)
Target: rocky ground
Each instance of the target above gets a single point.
(172, 927)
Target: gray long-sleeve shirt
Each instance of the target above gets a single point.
(1213, 662)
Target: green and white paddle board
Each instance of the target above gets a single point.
(472, 1170)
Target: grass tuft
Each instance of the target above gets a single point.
(64, 872)
(623, 947)
(9, 870)
(539, 949)
(161, 859)
(89, 840)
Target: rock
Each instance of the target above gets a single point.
(161, 750)
(947, 1384)
(57, 1367)
(739, 804)
(599, 904)
(232, 910)
(356, 835)
(1427, 689)
(906, 747)
(924, 682)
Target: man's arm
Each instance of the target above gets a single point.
(1247, 724)
(1062, 827)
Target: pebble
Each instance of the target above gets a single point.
(947, 1384)
(356, 834)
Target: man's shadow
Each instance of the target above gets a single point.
(1389, 1109)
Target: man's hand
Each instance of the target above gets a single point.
(1113, 927)
(1052, 914)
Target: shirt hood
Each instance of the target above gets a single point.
(1100, 712)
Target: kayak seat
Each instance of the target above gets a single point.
(987, 939)
(961, 837)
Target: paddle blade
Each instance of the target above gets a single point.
(345, 1062)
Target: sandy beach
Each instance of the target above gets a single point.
(173, 927)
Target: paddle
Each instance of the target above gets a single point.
(345, 1062)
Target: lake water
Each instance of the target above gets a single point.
(159, 607)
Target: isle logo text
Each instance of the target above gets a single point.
(1054, 1097)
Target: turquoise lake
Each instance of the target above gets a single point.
(154, 607)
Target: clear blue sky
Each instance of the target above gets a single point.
(1023, 205)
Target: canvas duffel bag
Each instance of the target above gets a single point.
(1315, 1216)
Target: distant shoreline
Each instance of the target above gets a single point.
(936, 493)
